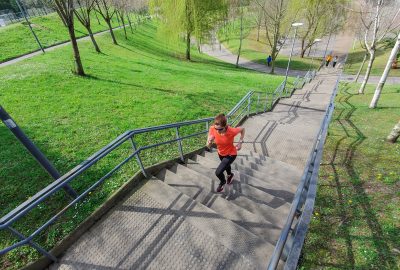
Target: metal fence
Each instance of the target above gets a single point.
(290, 242)
(252, 103)
(11, 17)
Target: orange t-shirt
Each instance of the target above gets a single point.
(225, 141)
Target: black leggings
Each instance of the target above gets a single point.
(225, 165)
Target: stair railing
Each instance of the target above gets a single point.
(240, 111)
(303, 202)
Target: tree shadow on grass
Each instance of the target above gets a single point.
(343, 166)
(92, 77)
(357, 57)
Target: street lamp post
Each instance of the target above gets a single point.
(315, 50)
(295, 25)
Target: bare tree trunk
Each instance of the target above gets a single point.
(241, 39)
(367, 73)
(378, 90)
(272, 66)
(78, 62)
(111, 32)
(123, 25)
(394, 134)
(97, 17)
(96, 47)
(188, 46)
(130, 23)
(258, 32)
(361, 67)
(303, 49)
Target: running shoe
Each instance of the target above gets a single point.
(230, 179)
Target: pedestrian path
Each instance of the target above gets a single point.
(51, 48)
(217, 50)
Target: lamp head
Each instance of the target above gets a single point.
(297, 24)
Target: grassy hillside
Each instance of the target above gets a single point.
(382, 55)
(356, 222)
(16, 39)
(139, 83)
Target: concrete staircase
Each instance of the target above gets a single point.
(178, 221)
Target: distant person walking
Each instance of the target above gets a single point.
(328, 59)
(223, 135)
(335, 59)
(269, 60)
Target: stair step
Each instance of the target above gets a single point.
(259, 207)
(248, 153)
(240, 156)
(157, 227)
(274, 175)
(243, 188)
(268, 174)
(242, 242)
(271, 187)
(199, 191)
(264, 165)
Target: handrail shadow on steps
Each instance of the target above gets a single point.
(241, 111)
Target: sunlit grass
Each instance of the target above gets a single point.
(356, 222)
(139, 83)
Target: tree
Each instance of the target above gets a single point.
(394, 134)
(121, 7)
(377, 19)
(65, 9)
(276, 23)
(83, 15)
(188, 18)
(107, 11)
(322, 18)
(237, 8)
(378, 90)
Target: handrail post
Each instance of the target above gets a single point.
(266, 102)
(138, 159)
(179, 144)
(33, 244)
(248, 105)
(258, 102)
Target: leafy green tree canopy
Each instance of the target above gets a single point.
(188, 18)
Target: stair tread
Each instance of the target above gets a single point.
(274, 174)
(157, 227)
(275, 216)
(199, 192)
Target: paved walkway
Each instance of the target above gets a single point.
(217, 50)
(30, 55)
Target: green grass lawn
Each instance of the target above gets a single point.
(16, 39)
(258, 51)
(139, 83)
(356, 221)
(356, 56)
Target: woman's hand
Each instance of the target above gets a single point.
(239, 146)
(210, 141)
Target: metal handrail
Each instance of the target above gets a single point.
(298, 200)
(20, 211)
